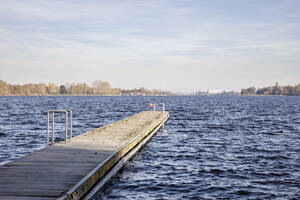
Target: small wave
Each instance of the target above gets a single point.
(215, 147)
(243, 192)
(2, 134)
(37, 129)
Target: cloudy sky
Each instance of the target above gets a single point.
(172, 45)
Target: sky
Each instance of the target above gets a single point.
(175, 45)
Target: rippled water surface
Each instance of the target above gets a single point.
(214, 147)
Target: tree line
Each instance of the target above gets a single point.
(273, 90)
(97, 88)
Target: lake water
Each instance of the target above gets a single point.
(214, 147)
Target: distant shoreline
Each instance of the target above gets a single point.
(275, 90)
(175, 95)
(98, 88)
(80, 95)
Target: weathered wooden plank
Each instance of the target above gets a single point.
(58, 179)
(70, 170)
(41, 182)
(26, 198)
(31, 192)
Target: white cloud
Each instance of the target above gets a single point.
(153, 44)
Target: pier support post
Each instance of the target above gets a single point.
(153, 111)
(66, 133)
(70, 125)
(48, 121)
(53, 138)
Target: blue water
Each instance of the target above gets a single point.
(214, 147)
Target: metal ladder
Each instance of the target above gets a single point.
(163, 114)
(67, 112)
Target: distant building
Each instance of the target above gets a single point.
(276, 89)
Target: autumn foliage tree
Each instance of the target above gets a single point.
(98, 88)
(273, 90)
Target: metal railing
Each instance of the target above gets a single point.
(163, 110)
(66, 125)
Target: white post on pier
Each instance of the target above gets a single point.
(153, 111)
(53, 138)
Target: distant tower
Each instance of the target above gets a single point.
(276, 88)
(276, 85)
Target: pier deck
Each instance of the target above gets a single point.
(70, 171)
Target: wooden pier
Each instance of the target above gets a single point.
(77, 169)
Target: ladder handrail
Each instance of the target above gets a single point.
(66, 125)
(163, 110)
